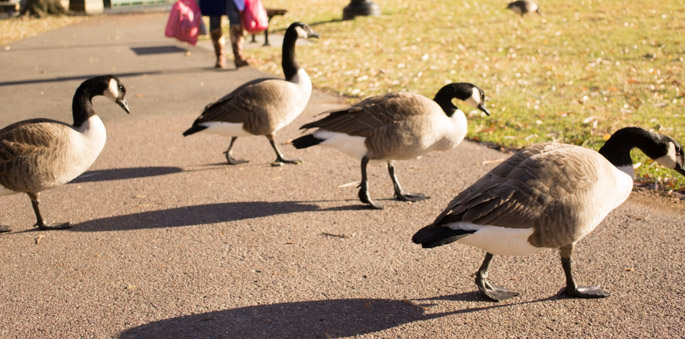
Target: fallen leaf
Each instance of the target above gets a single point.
(349, 184)
(342, 236)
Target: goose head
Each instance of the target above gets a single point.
(303, 30)
(112, 88)
(668, 153)
(464, 91)
(663, 149)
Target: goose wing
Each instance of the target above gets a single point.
(237, 106)
(28, 137)
(374, 113)
(27, 144)
(544, 186)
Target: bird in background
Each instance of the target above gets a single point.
(523, 7)
(546, 196)
(395, 126)
(262, 106)
(40, 154)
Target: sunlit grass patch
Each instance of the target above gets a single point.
(17, 28)
(576, 74)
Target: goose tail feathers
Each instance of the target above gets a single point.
(432, 236)
(193, 130)
(306, 141)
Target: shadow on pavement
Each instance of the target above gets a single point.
(125, 173)
(193, 215)
(307, 319)
(121, 75)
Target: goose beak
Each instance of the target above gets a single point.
(679, 168)
(313, 35)
(124, 105)
(482, 108)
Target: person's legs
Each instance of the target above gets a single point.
(215, 32)
(236, 31)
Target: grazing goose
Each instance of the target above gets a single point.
(39, 154)
(262, 106)
(395, 126)
(546, 196)
(524, 6)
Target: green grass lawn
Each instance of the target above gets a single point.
(575, 74)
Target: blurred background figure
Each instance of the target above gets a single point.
(524, 6)
(215, 9)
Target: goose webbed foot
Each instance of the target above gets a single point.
(410, 196)
(233, 161)
(588, 292)
(50, 226)
(280, 161)
(494, 293)
(4, 229)
(399, 195)
(365, 198)
(572, 290)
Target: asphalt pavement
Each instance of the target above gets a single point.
(168, 242)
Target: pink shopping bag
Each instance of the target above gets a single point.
(185, 21)
(254, 17)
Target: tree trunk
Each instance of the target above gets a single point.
(41, 8)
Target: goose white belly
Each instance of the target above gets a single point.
(85, 145)
(608, 193)
(351, 145)
(444, 133)
(233, 129)
(497, 240)
(299, 90)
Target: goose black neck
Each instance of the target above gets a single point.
(617, 148)
(444, 99)
(82, 105)
(290, 66)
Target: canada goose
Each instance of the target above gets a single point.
(262, 106)
(546, 196)
(524, 6)
(395, 126)
(39, 154)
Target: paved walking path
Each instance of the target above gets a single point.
(168, 242)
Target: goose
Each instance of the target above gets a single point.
(524, 6)
(39, 154)
(262, 106)
(395, 126)
(547, 195)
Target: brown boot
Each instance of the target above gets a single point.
(219, 45)
(237, 45)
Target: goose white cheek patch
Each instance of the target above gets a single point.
(301, 32)
(113, 90)
(474, 100)
(669, 160)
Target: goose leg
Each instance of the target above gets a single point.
(571, 289)
(399, 195)
(364, 187)
(40, 222)
(494, 293)
(279, 156)
(229, 154)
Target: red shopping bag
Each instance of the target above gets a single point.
(254, 17)
(185, 21)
